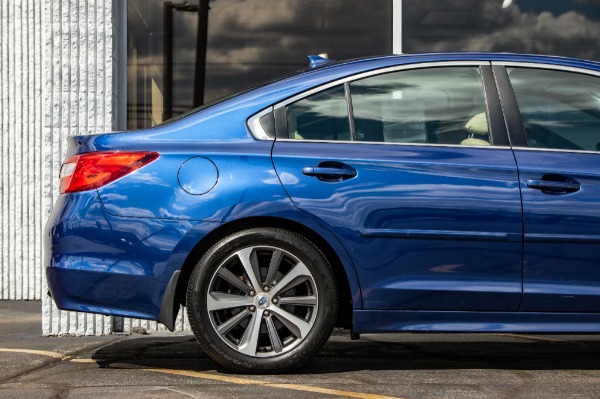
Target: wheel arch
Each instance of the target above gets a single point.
(344, 285)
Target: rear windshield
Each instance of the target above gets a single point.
(229, 97)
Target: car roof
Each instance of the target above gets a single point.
(404, 59)
(399, 59)
(297, 83)
(256, 99)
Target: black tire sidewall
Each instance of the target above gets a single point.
(293, 243)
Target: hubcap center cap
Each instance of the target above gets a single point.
(262, 301)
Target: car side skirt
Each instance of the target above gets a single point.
(385, 321)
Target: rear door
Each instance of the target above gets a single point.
(556, 141)
(412, 171)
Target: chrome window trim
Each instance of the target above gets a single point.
(381, 71)
(555, 67)
(560, 68)
(495, 147)
(256, 128)
(556, 150)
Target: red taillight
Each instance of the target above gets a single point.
(91, 170)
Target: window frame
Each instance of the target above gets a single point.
(498, 133)
(512, 114)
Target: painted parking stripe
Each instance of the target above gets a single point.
(83, 360)
(215, 377)
(525, 337)
(247, 381)
(34, 352)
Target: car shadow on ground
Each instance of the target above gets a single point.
(342, 355)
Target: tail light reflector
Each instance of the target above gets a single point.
(92, 170)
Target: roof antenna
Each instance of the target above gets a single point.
(315, 61)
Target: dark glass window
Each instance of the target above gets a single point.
(248, 42)
(560, 110)
(321, 116)
(435, 105)
(565, 27)
(161, 51)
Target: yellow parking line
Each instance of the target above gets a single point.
(525, 337)
(82, 360)
(34, 352)
(215, 377)
(247, 381)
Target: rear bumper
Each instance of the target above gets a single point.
(111, 265)
(104, 293)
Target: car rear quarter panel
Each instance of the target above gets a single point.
(245, 179)
(113, 251)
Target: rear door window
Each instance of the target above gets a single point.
(438, 105)
(560, 110)
(320, 116)
(443, 105)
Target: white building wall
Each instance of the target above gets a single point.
(56, 79)
(77, 98)
(59, 66)
(23, 200)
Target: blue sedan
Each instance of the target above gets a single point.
(428, 192)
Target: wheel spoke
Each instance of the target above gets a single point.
(219, 301)
(273, 335)
(296, 325)
(274, 266)
(265, 299)
(249, 261)
(225, 327)
(249, 341)
(298, 274)
(232, 279)
(308, 300)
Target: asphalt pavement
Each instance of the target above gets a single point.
(411, 366)
(23, 349)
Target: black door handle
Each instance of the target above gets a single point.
(318, 171)
(555, 186)
(330, 171)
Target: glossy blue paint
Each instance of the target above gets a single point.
(315, 61)
(404, 205)
(381, 321)
(430, 238)
(198, 175)
(122, 265)
(154, 191)
(561, 233)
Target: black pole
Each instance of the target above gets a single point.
(168, 62)
(201, 44)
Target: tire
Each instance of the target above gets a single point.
(262, 300)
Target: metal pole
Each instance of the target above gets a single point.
(201, 44)
(168, 61)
